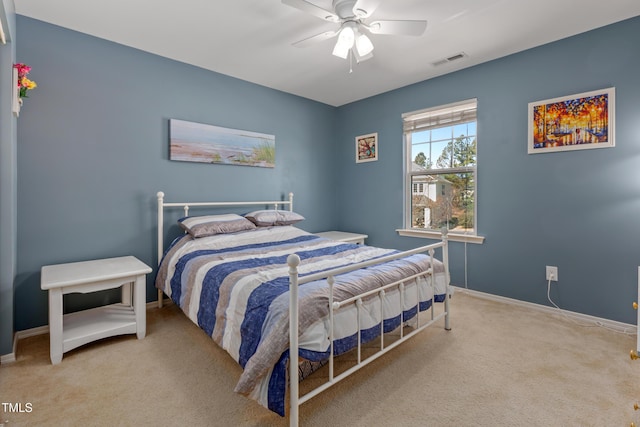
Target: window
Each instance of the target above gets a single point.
(440, 168)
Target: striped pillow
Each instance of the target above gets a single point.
(208, 225)
(269, 218)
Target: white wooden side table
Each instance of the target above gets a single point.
(344, 236)
(68, 331)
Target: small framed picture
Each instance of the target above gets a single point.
(367, 148)
(574, 122)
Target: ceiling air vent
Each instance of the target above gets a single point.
(452, 58)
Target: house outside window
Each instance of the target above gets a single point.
(440, 168)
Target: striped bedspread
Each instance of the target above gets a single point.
(235, 287)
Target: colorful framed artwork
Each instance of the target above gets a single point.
(197, 142)
(574, 122)
(367, 148)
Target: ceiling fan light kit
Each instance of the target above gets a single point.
(345, 42)
(363, 45)
(348, 37)
(351, 15)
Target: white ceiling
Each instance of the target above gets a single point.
(252, 39)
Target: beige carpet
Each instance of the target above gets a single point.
(501, 365)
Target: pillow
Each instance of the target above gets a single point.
(271, 217)
(208, 225)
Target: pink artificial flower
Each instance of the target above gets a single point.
(23, 69)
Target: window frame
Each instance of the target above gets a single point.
(447, 115)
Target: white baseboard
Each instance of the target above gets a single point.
(30, 333)
(40, 330)
(616, 326)
(626, 328)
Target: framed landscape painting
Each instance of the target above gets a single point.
(197, 142)
(574, 122)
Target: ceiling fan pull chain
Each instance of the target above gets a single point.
(350, 61)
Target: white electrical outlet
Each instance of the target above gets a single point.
(552, 273)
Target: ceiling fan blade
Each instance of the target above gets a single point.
(405, 28)
(364, 8)
(312, 9)
(315, 39)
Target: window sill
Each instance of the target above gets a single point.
(453, 236)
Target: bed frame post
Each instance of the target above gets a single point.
(291, 202)
(293, 261)
(445, 261)
(160, 238)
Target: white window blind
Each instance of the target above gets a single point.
(432, 118)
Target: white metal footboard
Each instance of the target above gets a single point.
(293, 261)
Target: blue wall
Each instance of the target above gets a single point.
(575, 210)
(93, 151)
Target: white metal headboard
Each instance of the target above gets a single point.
(186, 205)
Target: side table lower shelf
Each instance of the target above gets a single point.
(85, 326)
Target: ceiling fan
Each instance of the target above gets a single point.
(352, 16)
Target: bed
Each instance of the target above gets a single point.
(263, 289)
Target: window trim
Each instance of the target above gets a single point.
(414, 122)
(436, 235)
